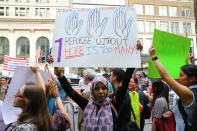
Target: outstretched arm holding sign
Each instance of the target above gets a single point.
(185, 80)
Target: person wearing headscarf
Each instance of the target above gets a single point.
(99, 113)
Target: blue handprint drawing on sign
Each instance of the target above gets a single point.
(95, 27)
(120, 24)
(73, 25)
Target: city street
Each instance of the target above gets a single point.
(130, 58)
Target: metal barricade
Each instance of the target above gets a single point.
(73, 112)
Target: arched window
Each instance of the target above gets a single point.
(22, 47)
(42, 48)
(4, 48)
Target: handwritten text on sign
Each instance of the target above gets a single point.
(96, 37)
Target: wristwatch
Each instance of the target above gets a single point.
(154, 58)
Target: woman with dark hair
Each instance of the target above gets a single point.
(185, 87)
(31, 99)
(143, 81)
(159, 103)
(139, 105)
(99, 113)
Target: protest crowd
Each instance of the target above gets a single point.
(116, 101)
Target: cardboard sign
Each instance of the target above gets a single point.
(172, 51)
(104, 37)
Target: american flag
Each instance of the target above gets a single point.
(10, 63)
(38, 52)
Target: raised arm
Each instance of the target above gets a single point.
(182, 91)
(39, 78)
(123, 89)
(48, 70)
(82, 102)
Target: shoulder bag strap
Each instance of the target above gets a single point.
(8, 127)
(114, 109)
(133, 113)
(183, 114)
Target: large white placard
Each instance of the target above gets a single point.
(21, 76)
(104, 37)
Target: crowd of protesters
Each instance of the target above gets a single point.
(118, 100)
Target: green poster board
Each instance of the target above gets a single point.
(172, 51)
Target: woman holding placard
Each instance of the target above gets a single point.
(185, 87)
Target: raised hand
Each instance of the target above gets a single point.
(139, 45)
(73, 25)
(50, 59)
(151, 51)
(190, 59)
(95, 27)
(120, 24)
(35, 69)
(58, 71)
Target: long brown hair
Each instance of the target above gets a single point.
(36, 108)
(51, 90)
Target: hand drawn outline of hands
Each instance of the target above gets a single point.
(120, 25)
(73, 25)
(95, 27)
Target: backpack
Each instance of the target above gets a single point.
(58, 120)
(184, 115)
(194, 121)
(131, 126)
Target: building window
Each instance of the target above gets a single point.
(162, 10)
(185, 11)
(42, 12)
(22, 1)
(22, 47)
(187, 27)
(149, 10)
(172, 11)
(4, 48)
(147, 45)
(140, 26)
(184, 0)
(164, 26)
(42, 1)
(43, 45)
(4, 11)
(21, 11)
(59, 1)
(139, 9)
(174, 27)
(151, 26)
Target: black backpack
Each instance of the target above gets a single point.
(184, 115)
(194, 121)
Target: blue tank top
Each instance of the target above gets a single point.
(51, 105)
